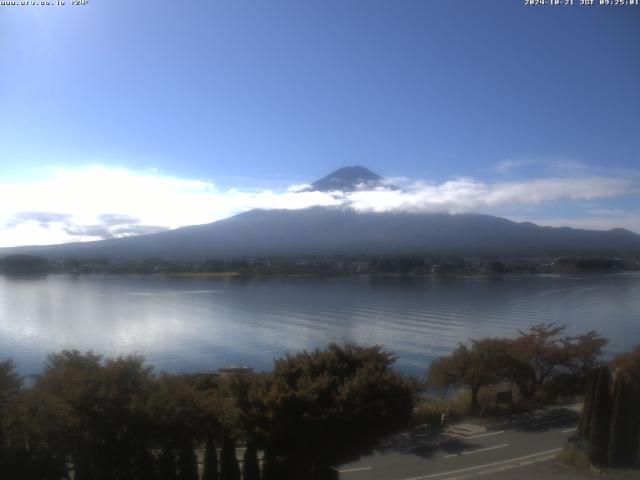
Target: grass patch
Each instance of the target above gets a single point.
(574, 458)
(430, 411)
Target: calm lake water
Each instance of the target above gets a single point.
(183, 324)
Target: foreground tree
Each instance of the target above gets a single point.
(328, 407)
(88, 411)
(584, 427)
(104, 404)
(542, 352)
(610, 424)
(10, 386)
(629, 363)
(144, 464)
(114, 419)
(178, 418)
(167, 467)
(623, 433)
(599, 422)
(244, 412)
(187, 463)
(625, 428)
(229, 468)
(31, 452)
(482, 363)
(210, 467)
(250, 468)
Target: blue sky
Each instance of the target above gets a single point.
(219, 106)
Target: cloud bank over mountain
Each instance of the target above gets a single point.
(98, 202)
(464, 195)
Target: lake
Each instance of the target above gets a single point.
(190, 324)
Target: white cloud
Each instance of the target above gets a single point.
(469, 195)
(298, 188)
(99, 202)
(71, 205)
(554, 166)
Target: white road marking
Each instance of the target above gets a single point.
(469, 452)
(478, 436)
(349, 470)
(486, 435)
(468, 469)
(509, 467)
(570, 430)
(485, 449)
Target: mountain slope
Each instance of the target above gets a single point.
(332, 231)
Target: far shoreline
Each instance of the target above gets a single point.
(238, 275)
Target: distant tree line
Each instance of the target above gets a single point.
(331, 265)
(24, 264)
(92, 418)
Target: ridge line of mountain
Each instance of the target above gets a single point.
(326, 231)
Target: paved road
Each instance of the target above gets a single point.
(491, 451)
(549, 470)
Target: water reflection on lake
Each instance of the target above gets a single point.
(188, 324)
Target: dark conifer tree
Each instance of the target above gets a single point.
(250, 467)
(229, 468)
(268, 467)
(210, 468)
(633, 419)
(82, 469)
(144, 465)
(167, 465)
(625, 423)
(187, 464)
(29, 465)
(599, 425)
(618, 434)
(587, 408)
